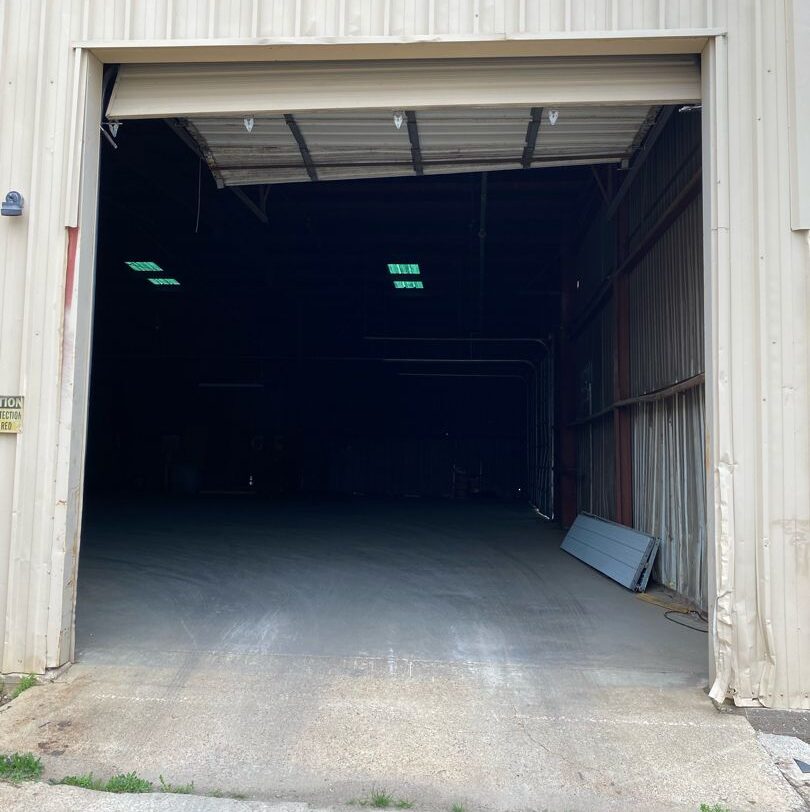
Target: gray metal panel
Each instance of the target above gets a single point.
(623, 554)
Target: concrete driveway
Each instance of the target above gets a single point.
(446, 656)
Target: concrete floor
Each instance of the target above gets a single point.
(439, 581)
(446, 652)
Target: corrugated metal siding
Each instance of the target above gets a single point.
(669, 488)
(666, 339)
(40, 137)
(596, 259)
(596, 479)
(596, 468)
(675, 162)
(366, 143)
(217, 19)
(666, 307)
(594, 352)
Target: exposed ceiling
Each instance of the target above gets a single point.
(285, 148)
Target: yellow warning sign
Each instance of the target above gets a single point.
(11, 414)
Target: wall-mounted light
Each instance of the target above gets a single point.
(553, 115)
(12, 206)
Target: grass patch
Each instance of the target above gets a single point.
(714, 808)
(23, 685)
(380, 799)
(84, 781)
(177, 789)
(20, 767)
(125, 782)
(457, 808)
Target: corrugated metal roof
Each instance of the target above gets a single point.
(368, 144)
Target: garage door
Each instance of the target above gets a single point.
(261, 123)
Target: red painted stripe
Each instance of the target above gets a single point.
(70, 272)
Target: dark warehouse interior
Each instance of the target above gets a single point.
(264, 371)
(335, 418)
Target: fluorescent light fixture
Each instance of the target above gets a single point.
(163, 280)
(140, 265)
(402, 284)
(403, 270)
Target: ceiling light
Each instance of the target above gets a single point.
(403, 270)
(140, 265)
(163, 280)
(401, 284)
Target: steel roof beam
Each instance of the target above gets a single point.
(302, 146)
(531, 137)
(413, 136)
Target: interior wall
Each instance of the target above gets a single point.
(653, 245)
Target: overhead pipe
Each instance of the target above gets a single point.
(482, 257)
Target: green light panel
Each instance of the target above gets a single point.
(403, 270)
(152, 267)
(401, 284)
(163, 280)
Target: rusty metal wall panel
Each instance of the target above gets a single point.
(666, 307)
(669, 488)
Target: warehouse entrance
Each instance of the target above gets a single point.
(327, 414)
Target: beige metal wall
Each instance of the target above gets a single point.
(210, 19)
(757, 359)
(758, 334)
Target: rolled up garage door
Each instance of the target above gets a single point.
(259, 123)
